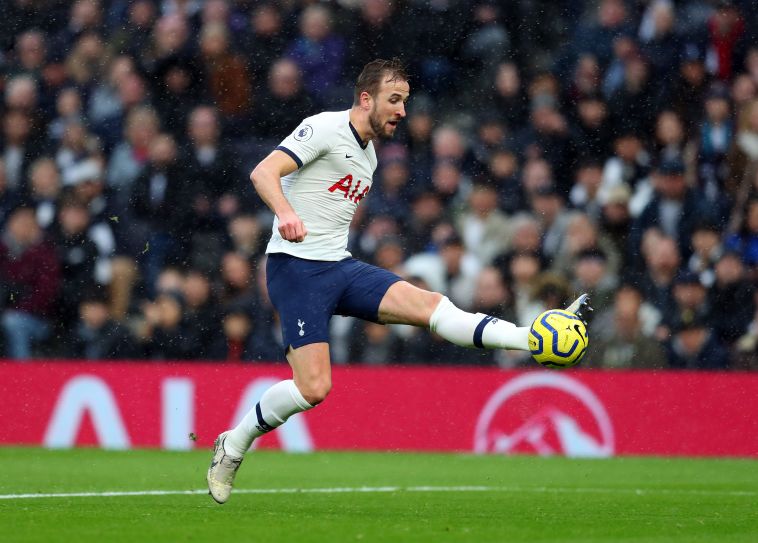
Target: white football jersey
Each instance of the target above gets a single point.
(334, 174)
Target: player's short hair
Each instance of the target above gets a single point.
(376, 71)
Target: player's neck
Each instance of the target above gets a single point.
(359, 120)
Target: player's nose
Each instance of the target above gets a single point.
(401, 111)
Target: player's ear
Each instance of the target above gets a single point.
(366, 100)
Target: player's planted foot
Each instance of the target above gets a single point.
(581, 308)
(222, 471)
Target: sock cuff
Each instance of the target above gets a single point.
(441, 308)
(297, 397)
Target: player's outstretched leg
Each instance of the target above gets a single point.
(277, 404)
(485, 331)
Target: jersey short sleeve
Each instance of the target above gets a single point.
(310, 140)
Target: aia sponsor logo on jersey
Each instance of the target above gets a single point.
(352, 193)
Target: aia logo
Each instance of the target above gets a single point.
(352, 193)
(546, 414)
(304, 133)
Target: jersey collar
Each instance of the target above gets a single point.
(357, 137)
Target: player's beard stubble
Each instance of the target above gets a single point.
(377, 126)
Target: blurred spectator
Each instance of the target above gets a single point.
(85, 17)
(502, 171)
(374, 343)
(725, 28)
(161, 201)
(237, 280)
(76, 146)
(634, 104)
(509, 98)
(629, 165)
(661, 43)
(30, 279)
(486, 229)
(522, 270)
(282, 103)
(706, 251)
(453, 271)
(591, 134)
(686, 92)
(9, 199)
(131, 154)
(662, 261)
(320, 54)
(598, 35)
(18, 150)
(695, 347)
(77, 255)
(690, 300)
(627, 347)
(592, 275)
(743, 157)
(265, 40)
(245, 234)
(69, 109)
(674, 208)
(731, 299)
(228, 80)
(547, 136)
(240, 340)
(133, 35)
(96, 336)
(550, 210)
(165, 333)
(585, 192)
(211, 163)
(202, 311)
(374, 34)
(87, 183)
(426, 212)
(745, 240)
(44, 189)
(716, 135)
(527, 233)
(391, 193)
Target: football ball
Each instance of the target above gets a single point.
(558, 339)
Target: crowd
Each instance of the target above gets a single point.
(550, 148)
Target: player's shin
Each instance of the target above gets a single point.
(277, 404)
(477, 330)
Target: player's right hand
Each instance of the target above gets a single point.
(291, 227)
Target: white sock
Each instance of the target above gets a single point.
(477, 330)
(277, 404)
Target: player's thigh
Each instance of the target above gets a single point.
(304, 294)
(311, 370)
(404, 303)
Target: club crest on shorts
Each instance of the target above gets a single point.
(303, 133)
(301, 324)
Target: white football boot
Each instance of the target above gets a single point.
(222, 471)
(581, 308)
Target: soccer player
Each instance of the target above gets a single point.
(313, 182)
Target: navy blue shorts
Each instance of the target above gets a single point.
(306, 293)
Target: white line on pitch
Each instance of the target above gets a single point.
(378, 489)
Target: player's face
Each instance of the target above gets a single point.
(389, 107)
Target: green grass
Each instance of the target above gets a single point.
(529, 499)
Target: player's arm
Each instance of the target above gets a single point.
(267, 180)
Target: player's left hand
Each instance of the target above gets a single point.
(291, 227)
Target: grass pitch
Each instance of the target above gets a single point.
(336, 497)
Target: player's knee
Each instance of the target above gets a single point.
(315, 390)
